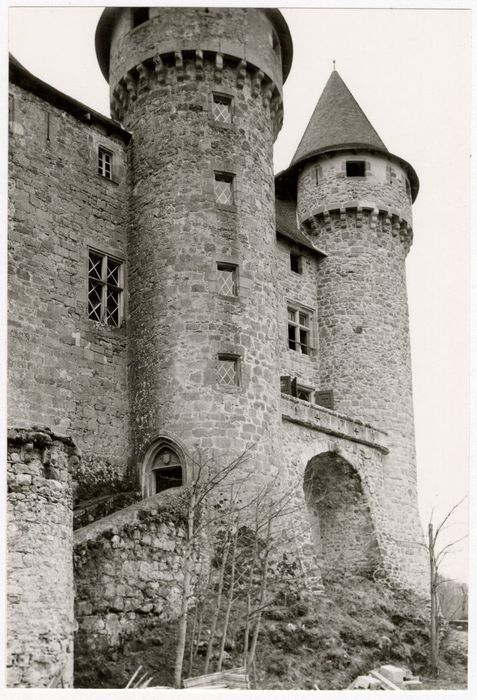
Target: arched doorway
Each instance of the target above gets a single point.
(342, 527)
(163, 467)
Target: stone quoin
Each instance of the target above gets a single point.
(168, 295)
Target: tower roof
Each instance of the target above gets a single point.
(337, 122)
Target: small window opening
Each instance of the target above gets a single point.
(227, 279)
(355, 168)
(105, 163)
(408, 188)
(296, 263)
(224, 188)
(140, 15)
(228, 370)
(299, 330)
(303, 393)
(325, 398)
(222, 108)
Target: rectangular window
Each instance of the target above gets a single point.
(227, 279)
(222, 108)
(228, 370)
(355, 168)
(296, 263)
(224, 188)
(105, 289)
(105, 163)
(299, 330)
(325, 398)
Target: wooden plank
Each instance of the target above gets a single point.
(389, 685)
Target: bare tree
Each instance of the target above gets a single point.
(437, 555)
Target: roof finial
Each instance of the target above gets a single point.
(334, 64)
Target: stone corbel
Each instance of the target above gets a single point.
(343, 217)
(159, 70)
(179, 65)
(241, 73)
(199, 65)
(130, 87)
(257, 82)
(219, 67)
(374, 218)
(143, 77)
(267, 94)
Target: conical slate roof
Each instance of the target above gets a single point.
(337, 121)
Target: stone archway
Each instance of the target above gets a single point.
(343, 531)
(163, 467)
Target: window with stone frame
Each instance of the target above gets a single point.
(222, 108)
(224, 188)
(299, 330)
(296, 263)
(227, 279)
(105, 289)
(355, 168)
(228, 370)
(105, 163)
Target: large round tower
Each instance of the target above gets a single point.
(201, 91)
(354, 201)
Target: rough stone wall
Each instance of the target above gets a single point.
(66, 371)
(298, 289)
(363, 320)
(179, 323)
(128, 573)
(39, 559)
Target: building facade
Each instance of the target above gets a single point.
(169, 295)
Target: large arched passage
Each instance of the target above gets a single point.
(343, 531)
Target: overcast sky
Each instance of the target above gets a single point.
(410, 72)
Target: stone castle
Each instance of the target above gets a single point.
(168, 294)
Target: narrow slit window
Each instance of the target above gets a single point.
(227, 279)
(355, 168)
(224, 188)
(296, 263)
(228, 370)
(105, 163)
(222, 108)
(299, 330)
(105, 289)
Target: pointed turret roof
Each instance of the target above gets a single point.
(337, 121)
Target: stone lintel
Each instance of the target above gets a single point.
(324, 420)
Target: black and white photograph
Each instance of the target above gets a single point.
(237, 348)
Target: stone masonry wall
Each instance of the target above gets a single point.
(68, 372)
(40, 558)
(128, 572)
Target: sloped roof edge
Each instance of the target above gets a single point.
(20, 76)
